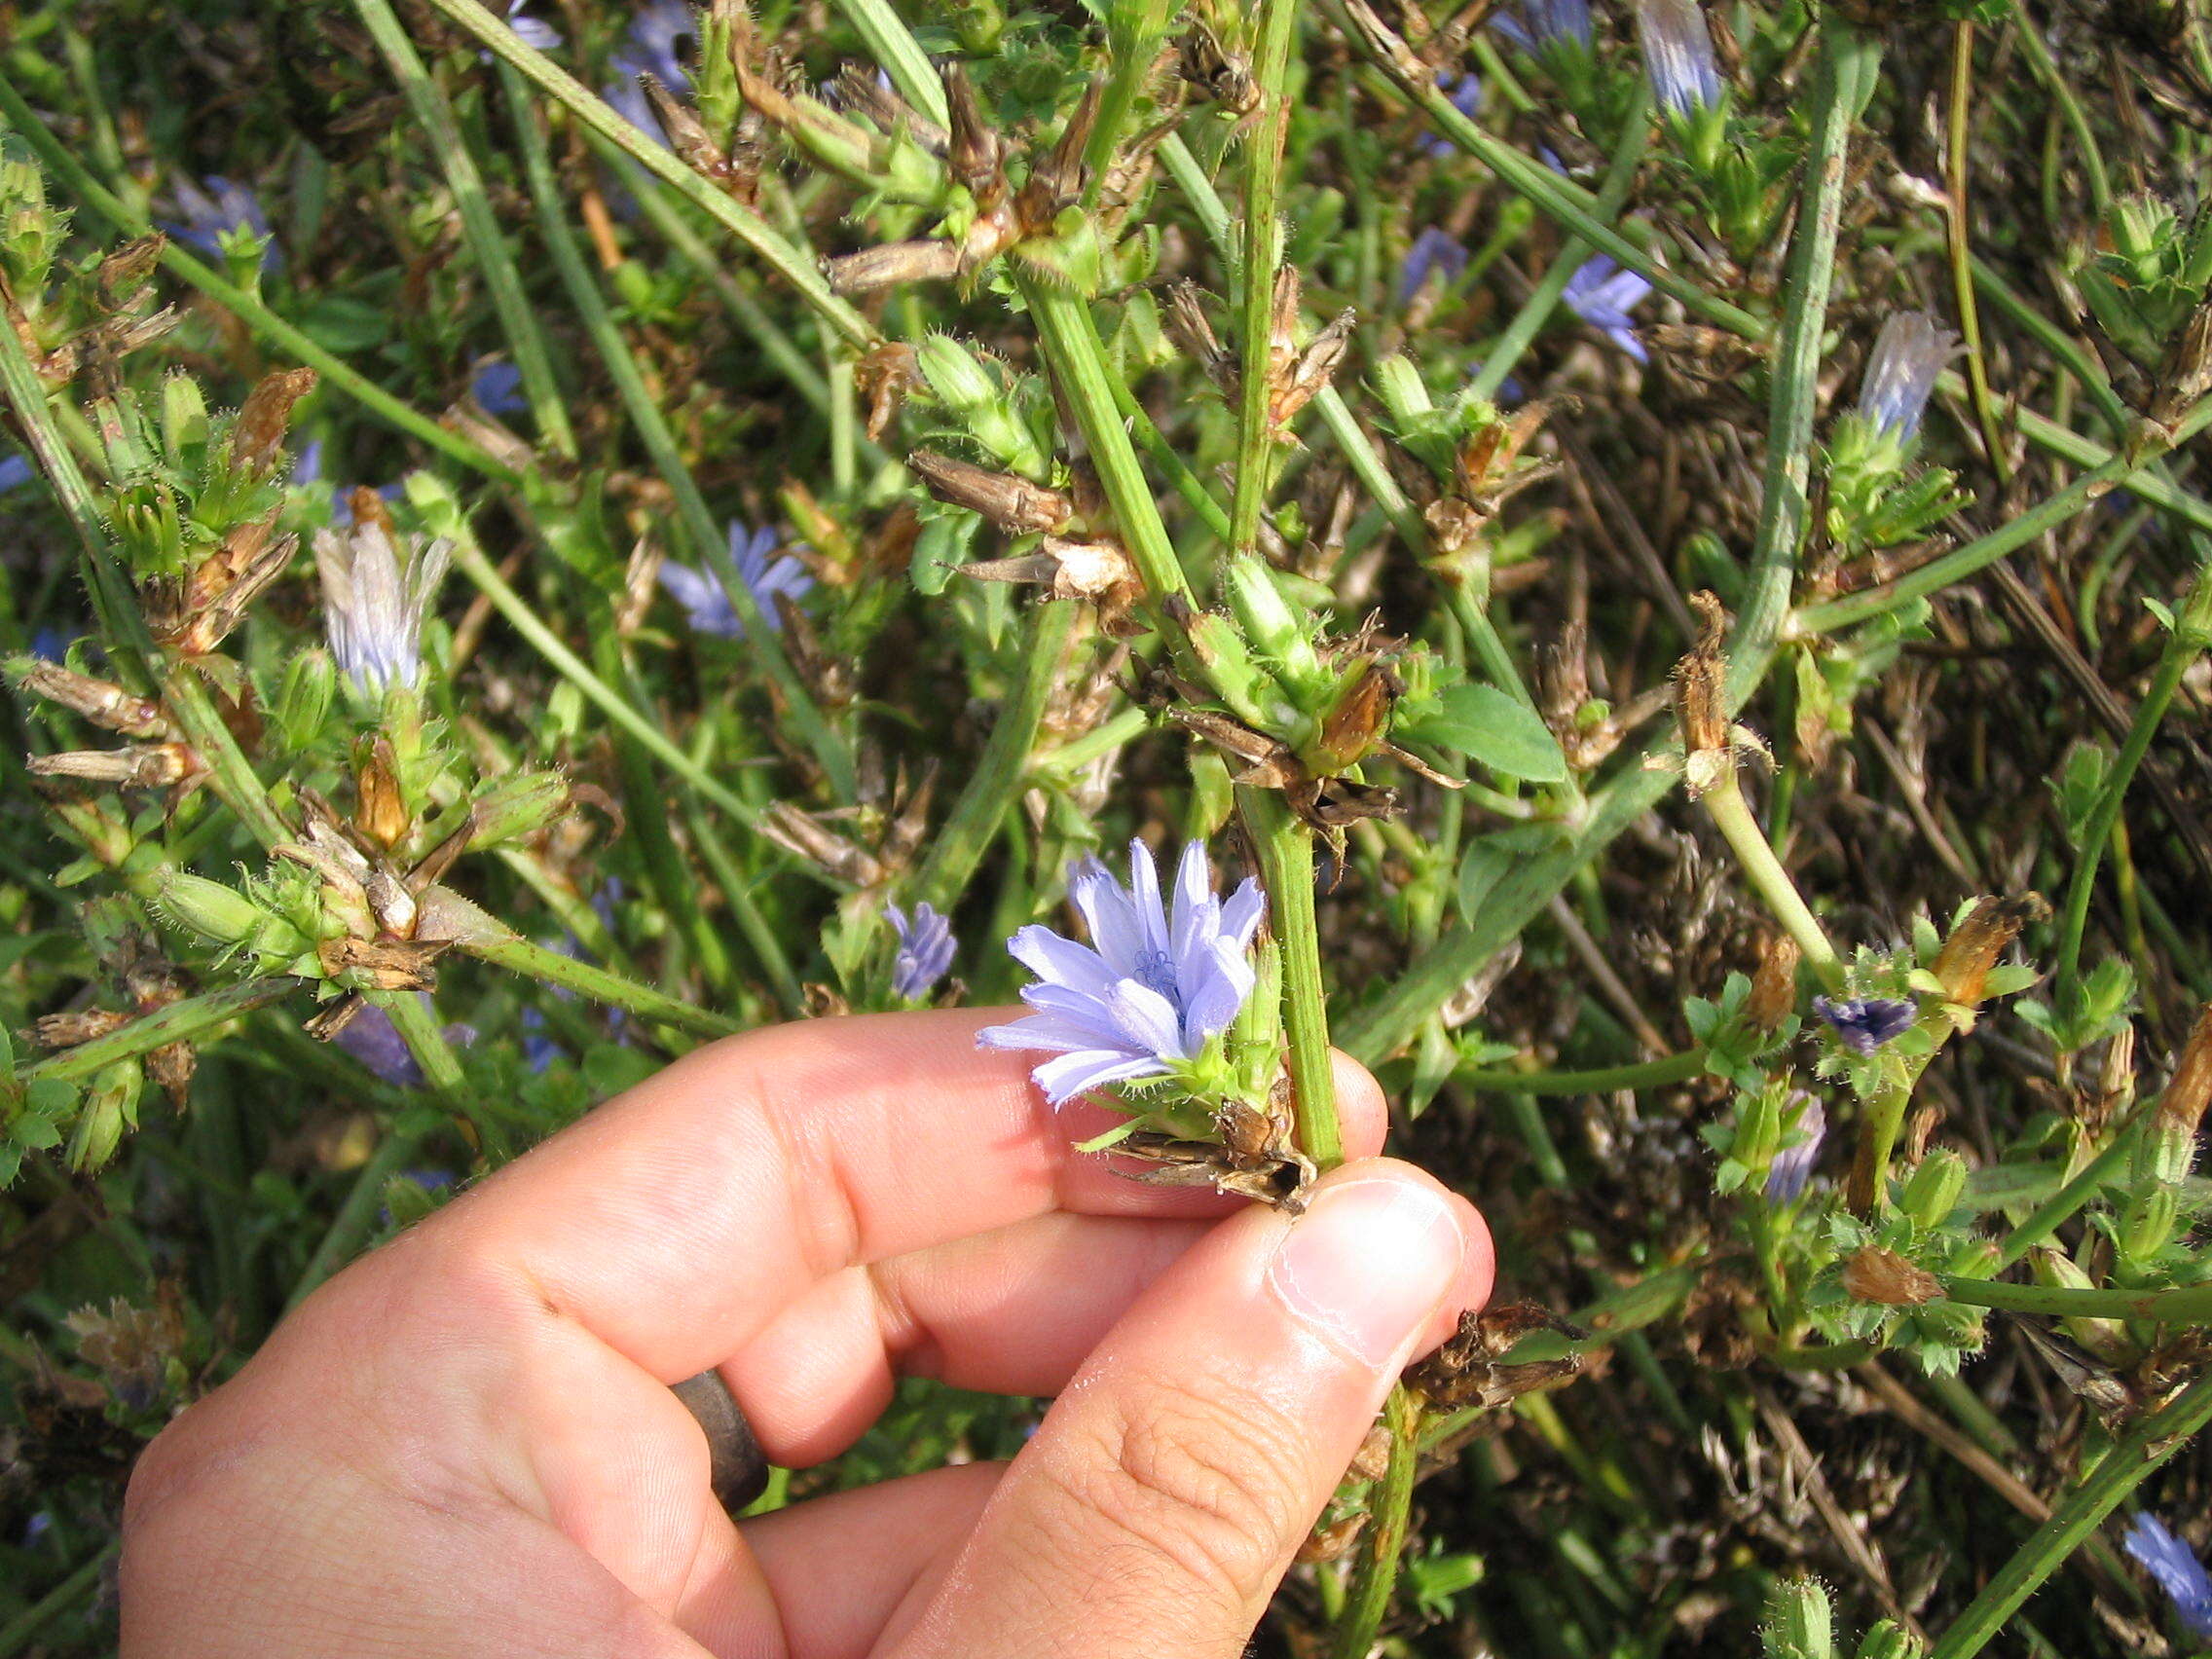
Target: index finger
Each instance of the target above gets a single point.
(677, 1220)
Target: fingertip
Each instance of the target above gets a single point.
(1363, 1115)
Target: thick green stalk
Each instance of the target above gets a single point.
(2046, 1216)
(1724, 802)
(1600, 1080)
(1286, 861)
(708, 545)
(2147, 1446)
(1849, 64)
(1385, 1543)
(797, 265)
(1262, 253)
(893, 46)
(2193, 633)
(426, 1040)
(2189, 1305)
(1963, 561)
(178, 1023)
(247, 307)
(519, 955)
(1003, 771)
(479, 226)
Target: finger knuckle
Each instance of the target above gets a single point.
(1195, 1485)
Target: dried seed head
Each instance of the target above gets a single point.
(382, 965)
(382, 815)
(258, 438)
(1774, 987)
(2181, 1108)
(138, 766)
(1876, 1274)
(96, 700)
(898, 263)
(78, 1025)
(1010, 502)
(1700, 701)
(1967, 955)
(975, 153)
(1188, 326)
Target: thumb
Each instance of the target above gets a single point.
(1170, 1485)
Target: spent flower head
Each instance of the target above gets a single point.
(1542, 24)
(1792, 1165)
(1601, 293)
(2179, 1575)
(925, 951)
(375, 596)
(1863, 1024)
(1677, 56)
(1909, 354)
(217, 207)
(1152, 989)
(707, 604)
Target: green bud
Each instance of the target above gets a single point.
(953, 374)
(1934, 1190)
(979, 24)
(1270, 623)
(1398, 383)
(304, 700)
(1797, 1622)
(1758, 1130)
(2147, 1222)
(209, 908)
(111, 1106)
(2164, 1155)
(1887, 1642)
(2055, 1270)
(1231, 671)
(515, 807)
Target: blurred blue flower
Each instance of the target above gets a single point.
(48, 645)
(497, 388)
(1433, 250)
(1601, 293)
(1151, 989)
(1541, 22)
(2179, 1575)
(925, 951)
(652, 47)
(1909, 354)
(371, 1038)
(701, 596)
(1465, 92)
(222, 206)
(1792, 1165)
(1863, 1024)
(16, 471)
(532, 31)
(1677, 56)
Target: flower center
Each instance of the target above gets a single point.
(1156, 970)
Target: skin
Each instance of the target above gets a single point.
(465, 1444)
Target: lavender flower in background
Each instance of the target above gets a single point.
(1792, 1167)
(925, 951)
(651, 47)
(306, 472)
(1433, 250)
(1149, 991)
(531, 31)
(1909, 354)
(16, 471)
(497, 388)
(371, 1038)
(1677, 56)
(1465, 93)
(710, 608)
(373, 600)
(1543, 24)
(1863, 1024)
(1600, 294)
(2179, 1575)
(210, 213)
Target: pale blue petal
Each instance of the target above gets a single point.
(1071, 1075)
(1115, 930)
(1241, 916)
(1149, 1018)
(1042, 1033)
(1151, 914)
(1060, 961)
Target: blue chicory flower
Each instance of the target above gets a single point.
(375, 597)
(710, 608)
(925, 951)
(2179, 1575)
(209, 214)
(16, 471)
(1863, 1024)
(1433, 250)
(1792, 1165)
(1909, 354)
(371, 1038)
(652, 47)
(1541, 24)
(1465, 92)
(497, 388)
(532, 31)
(1151, 989)
(1601, 293)
(1677, 56)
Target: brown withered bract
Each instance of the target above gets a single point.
(893, 264)
(384, 965)
(1309, 374)
(1007, 500)
(67, 1029)
(884, 374)
(1188, 326)
(1224, 76)
(136, 766)
(95, 700)
(257, 441)
(1876, 1274)
(1699, 701)
(381, 814)
(2181, 1106)
(1355, 724)
(1255, 1159)
(1774, 985)
(1963, 962)
(1470, 1368)
(196, 615)
(860, 92)
(1332, 1540)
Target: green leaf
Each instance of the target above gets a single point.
(1484, 724)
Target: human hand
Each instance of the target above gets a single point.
(465, 1444)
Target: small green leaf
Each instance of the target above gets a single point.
(1484, 724)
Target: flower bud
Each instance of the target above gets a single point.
(1887, 1642)
(2147, 1225)
(1934, 1190)
(1975, 944)
(953, 374)
(1797, 1622)
(209, 908)
(1758, 1130)
(304, 700)
(1268, 621)
(515, 808)
(2106, 1338)
(1774, 987)
(1398, 383)
(111, 1106)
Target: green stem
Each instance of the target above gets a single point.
(737, 893)
(1600, 1080)
(2037, 51)
(1724, 800)
(1957, 237)
(2147, 1446)
(1003, 771)
(1963, 561)
(1870, 1185)
(1849, 63)
(1262, 253)
(519, 955)
(247, 307)
(2193, 633)
(479, 226)
(795, 265)
(1385, 1544)
(710, 547)
(1286, 861)
(2046, 1216)
(20, 1630)
(2189, 1305)
(893, 46)
(176, 1024)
